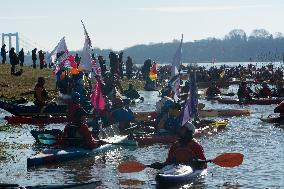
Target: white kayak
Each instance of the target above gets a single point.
(178, 174)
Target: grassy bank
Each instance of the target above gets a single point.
(22, 86)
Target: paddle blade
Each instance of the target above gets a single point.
(229, 159)
(130, 166)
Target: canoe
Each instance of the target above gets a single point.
(37, 120)
(223, 113)
(178, 174)
(51, 156)
(168, 138)
(261, 101)
(88, 185)
(32, 110)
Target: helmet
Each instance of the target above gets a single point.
(189, 126)
(76, 97)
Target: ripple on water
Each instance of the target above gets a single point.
(261, 144)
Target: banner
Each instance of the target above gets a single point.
(177, 60)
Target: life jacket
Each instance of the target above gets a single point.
(43, 95)
(72, 107)
(183, 154)
(265, 92)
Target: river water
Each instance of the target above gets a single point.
(261, 143)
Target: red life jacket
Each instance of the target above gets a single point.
(181, 154)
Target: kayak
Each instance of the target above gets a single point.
(168, 138)
(220, 84)
(178, 174)
(41, 120)
(51, 156)
(88, 185)
(223, 113)
(261, 101)
(145, 116)
(272, 119)
(33, 110)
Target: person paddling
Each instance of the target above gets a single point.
(265, 92)
(244, 92)
(184, 151)
(77, 134)
(212, 90)
(73, 106)
(40, 94)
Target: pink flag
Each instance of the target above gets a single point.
(97, 98)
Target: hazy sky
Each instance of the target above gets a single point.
(122, 23)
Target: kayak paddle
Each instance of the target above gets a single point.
(49, 139)
(223, 160)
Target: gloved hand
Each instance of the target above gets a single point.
(198, 164)
(157, 165)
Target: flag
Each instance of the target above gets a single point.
(190, 109)
(153, 74)
(86, 58)
(96, 69)
(222, 74)
(58, 54)
(175, 85)
(177, 60)
(97, 98)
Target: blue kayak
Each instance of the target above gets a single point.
(51, 156)
(88, 185)
(178, 174)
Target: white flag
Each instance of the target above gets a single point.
(86, 58)
(177, 60)
(59, 48)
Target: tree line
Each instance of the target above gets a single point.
(236, 46)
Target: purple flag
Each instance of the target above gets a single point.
(190, 108)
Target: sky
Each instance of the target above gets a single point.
(118, 24)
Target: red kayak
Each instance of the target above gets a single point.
(261, 101)
(168, 138)
(41, 120)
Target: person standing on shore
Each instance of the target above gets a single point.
(3, 53)
(34, 58)
(21, 57)
(13, 60)
(41, 59)
(129, 67)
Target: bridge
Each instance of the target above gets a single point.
(20, 41)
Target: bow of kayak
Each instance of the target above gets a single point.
(178, 174)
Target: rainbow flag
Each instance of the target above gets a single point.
(153, 74)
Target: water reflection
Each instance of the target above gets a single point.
(261, 143)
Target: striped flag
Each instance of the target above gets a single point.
(177, 60)
(190, 109)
